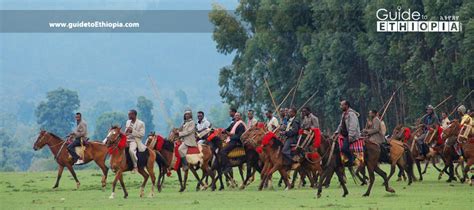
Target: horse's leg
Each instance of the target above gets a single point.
(180, 178)
(340, 175)
(145, 179)
(263, 176)
(247, 177)
(321, 179)
(467, 168)
(105, 171)
(151, 172)
(73, 173)
(241, 171)
(370, 169)
(114, 183)
(60, 172)
(125, 193)
(284, 174)
(185, 179)
(392, 171)
(380, 172)
(418, 166)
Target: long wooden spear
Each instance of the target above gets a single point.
(441, 103)
(460, 103)
(308, 100)
(162, 105)
(284, 99)
(297, 84)
(389, 101)
(271, 95)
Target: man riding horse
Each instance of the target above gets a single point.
(349, 129)
(429, 121)
(291, 133)
(187, 134)
(135, 130)
(235, 130)
(203, 127)
(374, 131)
(79, 134)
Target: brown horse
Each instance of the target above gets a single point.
(400, 154)
(333, 163)
(119, 163)
(450, 135)
(164, 158)
(94, 151)
(196, 161)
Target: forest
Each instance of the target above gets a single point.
(330, 48)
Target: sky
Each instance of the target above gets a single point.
(109, 66)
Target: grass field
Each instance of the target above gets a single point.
(33, 191)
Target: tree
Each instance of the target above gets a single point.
(105, 121)
(342, 55)
(145, 107)
(56, 114)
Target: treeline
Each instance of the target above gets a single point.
(56, 114)
(334, 44)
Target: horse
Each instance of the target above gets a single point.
(451, 136)
(94, 151)
(200, 159)
(400, 154)
(120, 163)
(164, 157)
(334, 163)
(249, 157)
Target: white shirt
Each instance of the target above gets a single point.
(205, 124)
(272, 124)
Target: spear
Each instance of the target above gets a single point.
(297, 84)
(389, 101)
(441, 103)
(460, 103)
(284, 99)
(308, 100)
(271, 95)
(162, 105)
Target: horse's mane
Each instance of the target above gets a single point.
(55, 136)
(115, 127)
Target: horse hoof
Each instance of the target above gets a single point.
(366, 194)
(125, 196)
(391, 190)
(78, 185)
(55, 187)
(151, 195)
(112, 196)
(344, 195)
(318, 195)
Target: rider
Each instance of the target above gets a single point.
(187, 134)
(291, 132)
(78, 134)
(430, 120)
(235, 130)
(202, 127)
(348, 128)
(135, 130)
(374, 131)
(310, 121)
(272, 122)
(251, 121)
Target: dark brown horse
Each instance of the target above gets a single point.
(333, 163)
(94, 151)
(164, 158)
(116, 143)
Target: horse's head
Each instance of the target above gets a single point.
(452, 130)
(113, 137)
(253, 135)
(173, 136)
(398, 132)
(41, 140)
(150, 138)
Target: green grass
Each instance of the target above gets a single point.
(33, 191)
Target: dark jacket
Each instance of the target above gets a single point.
(293, 129)
(238, 131)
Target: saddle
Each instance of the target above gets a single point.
(356, 147)
(79, 149)
(142, 158)
(236, 152)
